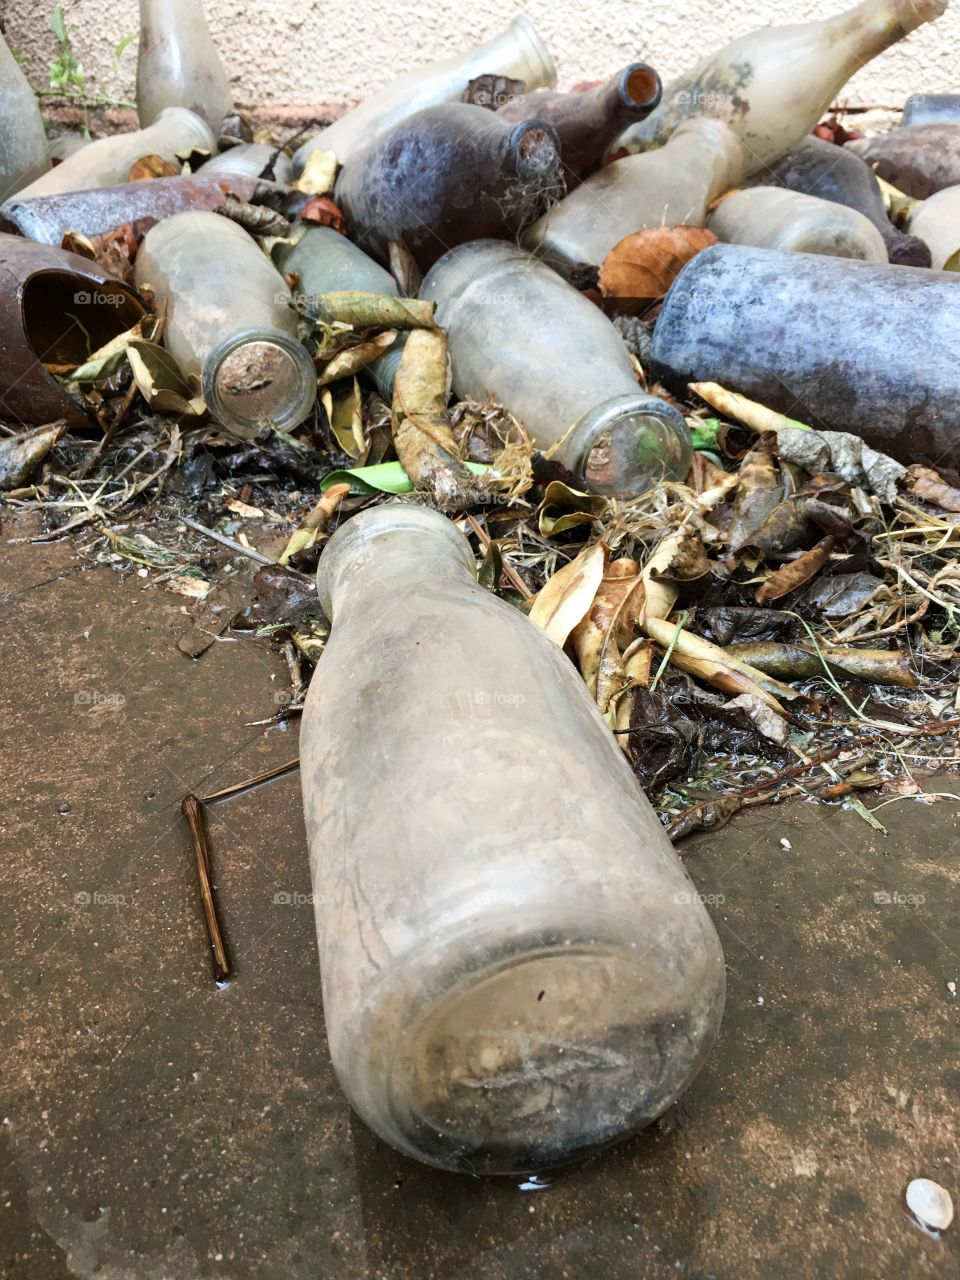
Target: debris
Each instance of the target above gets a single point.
(640, 269)
(21, 455)
(930, 1202)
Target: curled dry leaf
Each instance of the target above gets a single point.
(565, 598)
(350, 361)
(733, 405)
(148, 167)
(925, 483)
(607, 626)
(372, 310)
(324, 213)
(319, 176)
(315, 525)
(804, 662)
(21, 455)
(642, 267)
(795, 573)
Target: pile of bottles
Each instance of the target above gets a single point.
(516, 969)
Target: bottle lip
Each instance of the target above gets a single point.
(297, 407)
(632, 83)
(535, 148)
(618, 411)
(527, 35)
(380, 522)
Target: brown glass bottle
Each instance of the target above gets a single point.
(447, 175)
(587, 123)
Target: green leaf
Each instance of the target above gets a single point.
(125, 43)
(953, 262)
(59, 25)
(384, 477)
(704, 433)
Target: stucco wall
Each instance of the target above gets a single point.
(315, 51)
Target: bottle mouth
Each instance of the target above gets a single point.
(259, 377)
(355, 538)
(914, 13)
(535, 147)
(640, 88)
(627, 445)
(526, 34)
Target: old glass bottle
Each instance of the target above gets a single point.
(327, 262)
(773, 85)
(108, 161)
(928, 108)
(252, 160)
(447, 175)
(229, 325)
(178, 64)
(516, 968)
(520, 334)
(853, 346)
(23, 140)
(937, 221)
(588, 122)
(669, 187)
(775, 218)
(819, 168)
(517, 52)
(919, 159)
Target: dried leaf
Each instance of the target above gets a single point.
(324, 213)
(565, 598)
(315, 525)
(346, 363)
(804, 662)
(422, 434)
(564, 508)
(186, 584)
(795, 573)
(769, 722)
(243, 509)
(160, 381)
(369, 310)
(925, 483)
(258, 219)
(21, 455)
(404, 269)
(642, 267)
(844, 455)
(153, 166)
(756, 416)
(345, 413)
(318, 177)
(759, 493)
(608, 624)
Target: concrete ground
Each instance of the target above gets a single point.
(156, 1127)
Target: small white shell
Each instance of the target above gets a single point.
(931, 1203)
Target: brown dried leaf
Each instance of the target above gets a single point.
(642, 267)
(608, 624)
(795, 573)
(324, 213)
(566, 597)
(925, 483)
(152, 166)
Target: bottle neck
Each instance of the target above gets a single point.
(391, 552)
(707, 152)
(873, 25)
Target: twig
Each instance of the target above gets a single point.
(192, 808)
(508, 568)
(238, 788)
(224, 541)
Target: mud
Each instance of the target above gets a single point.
(156, 1127)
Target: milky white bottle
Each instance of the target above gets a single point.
(937, 221)
(773, 85)
(774, 218)
(666, 188)
(178, 64)
(23, 141)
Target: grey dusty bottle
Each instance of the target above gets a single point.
(919, 159)
(178, 64)
(587, 123)
(928, 108)
(517, 970)
(777, 218)
(853, 346)
(448, 175)
(819, 168)
(519, 334)
(326, 262)
(23, 141)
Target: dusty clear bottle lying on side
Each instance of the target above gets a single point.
(23, 139)
(178, 64)
(327, 262)
(108, 161)
(669, 187)
(775, 218)
(773, 85)
(920, 160)
(518, 52)
(854, 346)
(252, 160)
(587, 123)
(229, 324)
(819, 168)
(937, 221)
(928, 108)
(447, 175)
(516, 968)
(520, 334)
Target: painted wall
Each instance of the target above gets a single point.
(320, 51)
